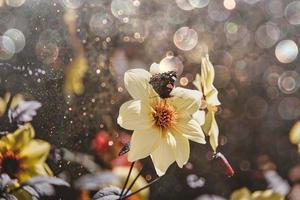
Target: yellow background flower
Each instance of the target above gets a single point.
(204, 83)
(4, 100)
(23, 157)
(245, 194)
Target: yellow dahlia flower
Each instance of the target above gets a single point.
(23, 157)
(162, 126)
(204, 83)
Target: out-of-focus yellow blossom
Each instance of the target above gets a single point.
(74, 75)
(140, 182)
(162, 126)
(23, 157)
(204, 83)
(245, 194)
(295, 135)
(4, 100)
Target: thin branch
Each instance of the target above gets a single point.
(133, 182)
(127, 179)
(8, 105)
(146, 186)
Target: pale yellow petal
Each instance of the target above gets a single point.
(2, 106)
(135, 115)
(295, 133)
(266, 195)
(185, 100)
(182, 149)
(4, 146)
(17, 99)
(154, 68)
(163, 156)
(241, 194)
(197, 82)
(35, 152)
(209, 116)
(75, 73)
(137, 84)
(191, 129)
(143, 142)
(207, 79)
(39, 169)
(199, 116)
(214, 135)
(21, 137)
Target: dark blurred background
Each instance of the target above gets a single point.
(253, 45)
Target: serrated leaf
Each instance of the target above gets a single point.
(96, 181)
(25, 111)
(43, 186)
(109, 193)
(23, 194)
(5, 181)
(49, 180)
(8, 197)
(31, 191)
(44, 189)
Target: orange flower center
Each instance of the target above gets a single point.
(164, 115)
(10, 163)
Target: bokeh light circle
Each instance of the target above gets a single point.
(15, 3)
(18, 38)
(101, 24)
(199, 3)
(184, 81)
(286, 51)
(229, 4)
(222, 57)
(267, 35)
(72, 4)
(217, 11)
(7, 48)
(251, 2)
(256, 107)
(184, 4)
(171, 63)
(122, 9)
(292, 13)
(288, 82)
(47, 52)
(223, 76)
(289, 108)
(185, 38)
(274, 8)
(271, 75)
